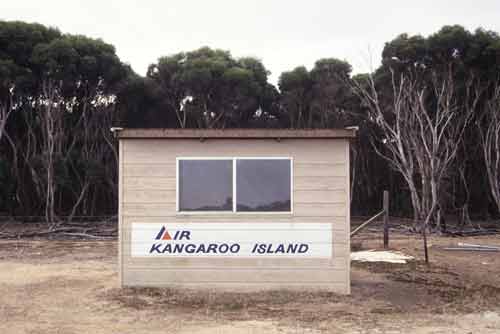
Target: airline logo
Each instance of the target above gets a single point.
(164, 235)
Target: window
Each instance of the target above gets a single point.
(234, 184)
(205, 185)
(263, 185)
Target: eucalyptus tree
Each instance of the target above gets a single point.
(422, 127)
(211, 89)
(331, 96)
(17, 90)
(296, 95)
(57, 103)
(473, 59)
(78, 79)
(489, 129)
(317, 98)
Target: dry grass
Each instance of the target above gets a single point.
(72, 287)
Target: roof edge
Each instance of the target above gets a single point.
(234, 133)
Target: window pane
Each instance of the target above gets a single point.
(263, 185)
(206, 185)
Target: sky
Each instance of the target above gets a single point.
(284, 34)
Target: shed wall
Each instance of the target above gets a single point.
(320, 195)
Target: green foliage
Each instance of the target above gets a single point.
(17, 43)
(316, 98)
(80, 62)
(18, 40)
(210, 88)
(298, 78)
(331, 69)
(477, 51)
(141, 102)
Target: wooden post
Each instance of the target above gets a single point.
(386, 219)
(426, 249)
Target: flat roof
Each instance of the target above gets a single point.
(235, 133)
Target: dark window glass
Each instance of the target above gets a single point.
(205, 185)
(263, 185)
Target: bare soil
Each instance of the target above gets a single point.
(55, 286)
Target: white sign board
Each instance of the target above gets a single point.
(261, 240)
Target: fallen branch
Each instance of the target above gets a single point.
(462, 244)
(471, 249)
(85, 235)
(472, 233)
(39, 233)
(83, 232)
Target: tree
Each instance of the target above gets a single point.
(78, 77)
(469, 53)
(422, 128)
(209, 88)
(17, 42)
(331, 97)
(7, 87)
(316, 98)
(59, 92)
(17, 89)
(489, 129)
(296, 95)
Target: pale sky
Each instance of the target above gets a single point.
(282, 33)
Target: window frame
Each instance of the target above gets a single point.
(234, 211)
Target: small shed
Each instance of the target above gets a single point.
(236, 208)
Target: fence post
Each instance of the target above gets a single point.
(386, 219)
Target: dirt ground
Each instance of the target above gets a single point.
(54, 286)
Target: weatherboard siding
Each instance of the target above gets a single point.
(147, 194)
